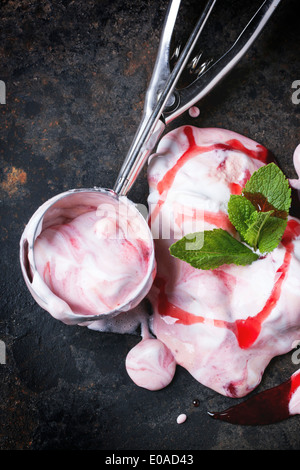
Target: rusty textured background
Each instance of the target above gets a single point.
(75, 75)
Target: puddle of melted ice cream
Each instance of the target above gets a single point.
(223, 326)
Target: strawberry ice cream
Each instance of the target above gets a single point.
(151, 359)
(225, 325)
(93, 257)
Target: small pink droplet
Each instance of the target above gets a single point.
(194, 111)
(181, 418)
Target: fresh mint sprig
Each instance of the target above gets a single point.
(218, 248)
(259, 215)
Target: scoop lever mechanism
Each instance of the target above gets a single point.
(163, 103)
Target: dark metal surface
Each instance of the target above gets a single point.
(75, 75)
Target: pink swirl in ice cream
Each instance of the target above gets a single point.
(224, 326)
(91, 262)
(94, 255)
(150, 364)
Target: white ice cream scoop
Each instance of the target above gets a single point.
(86, 253)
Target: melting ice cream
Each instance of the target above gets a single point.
(223, 326)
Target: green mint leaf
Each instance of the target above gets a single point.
(268, 189)
(271, 234)
(240, 210)
(211, 249)
(256, 224)
(260, 213)
(259, 216)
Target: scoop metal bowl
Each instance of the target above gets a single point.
(62, 209)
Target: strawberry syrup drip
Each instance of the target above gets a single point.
(166, 182)
(193, 150)
(246, 330)
(235, 188)
(272, 405)
(267, 407)
(219, 219)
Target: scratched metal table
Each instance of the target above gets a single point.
(75, 74)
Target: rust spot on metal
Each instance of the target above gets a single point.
(14, 178)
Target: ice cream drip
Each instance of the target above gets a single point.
(150, 364)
